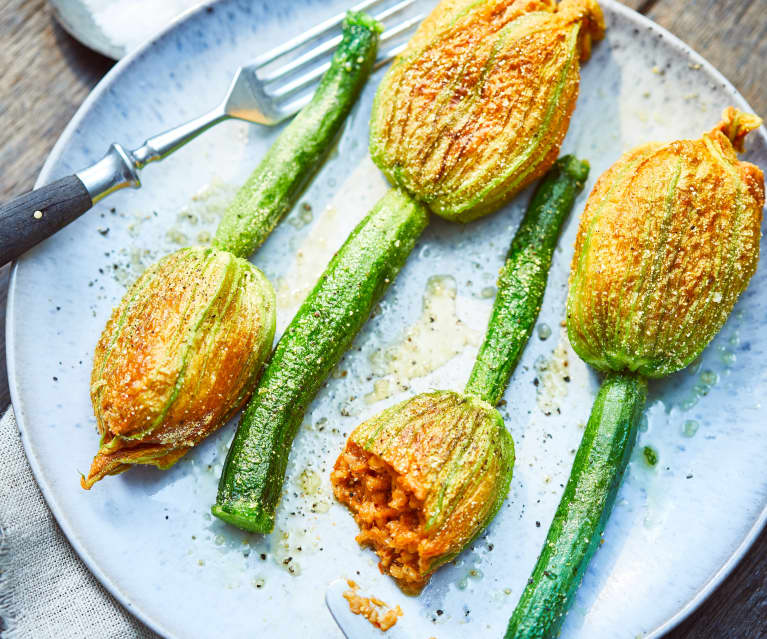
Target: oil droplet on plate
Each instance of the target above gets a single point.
(310, 482)
(728, 358)
(544, 331)
(690, 427)
(689, 402)
(650, 456)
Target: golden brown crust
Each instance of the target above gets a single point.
(122, 458)
(736, 125)
(590, 14)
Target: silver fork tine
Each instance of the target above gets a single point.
(300, 83)
(329, 45)
(326, 46)
(308, 35)
(388, 13)
(403, 26)
(306, 79)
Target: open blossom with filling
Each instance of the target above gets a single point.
(423, 479)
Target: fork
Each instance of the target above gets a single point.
(276, 85)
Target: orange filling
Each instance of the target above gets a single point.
(388, 511)
(370, 608)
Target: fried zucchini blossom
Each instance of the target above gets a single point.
(423, 479)
(178, 357)
(477, 106)
(667, 243)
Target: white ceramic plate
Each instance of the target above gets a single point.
(676, 529)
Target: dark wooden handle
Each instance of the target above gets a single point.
(32, 217)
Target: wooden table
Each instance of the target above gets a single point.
(46, 75)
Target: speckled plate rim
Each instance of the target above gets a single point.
(45, 176)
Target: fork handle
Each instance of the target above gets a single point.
(33, 216)
(30, 218)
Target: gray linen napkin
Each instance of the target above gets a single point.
(46, 592)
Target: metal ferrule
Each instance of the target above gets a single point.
(114, 171)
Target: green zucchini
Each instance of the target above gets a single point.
(274, 185)
(522, 280)
(313, 343)
(583, 511)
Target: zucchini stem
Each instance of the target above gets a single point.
(522, 280)
(583, 511)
